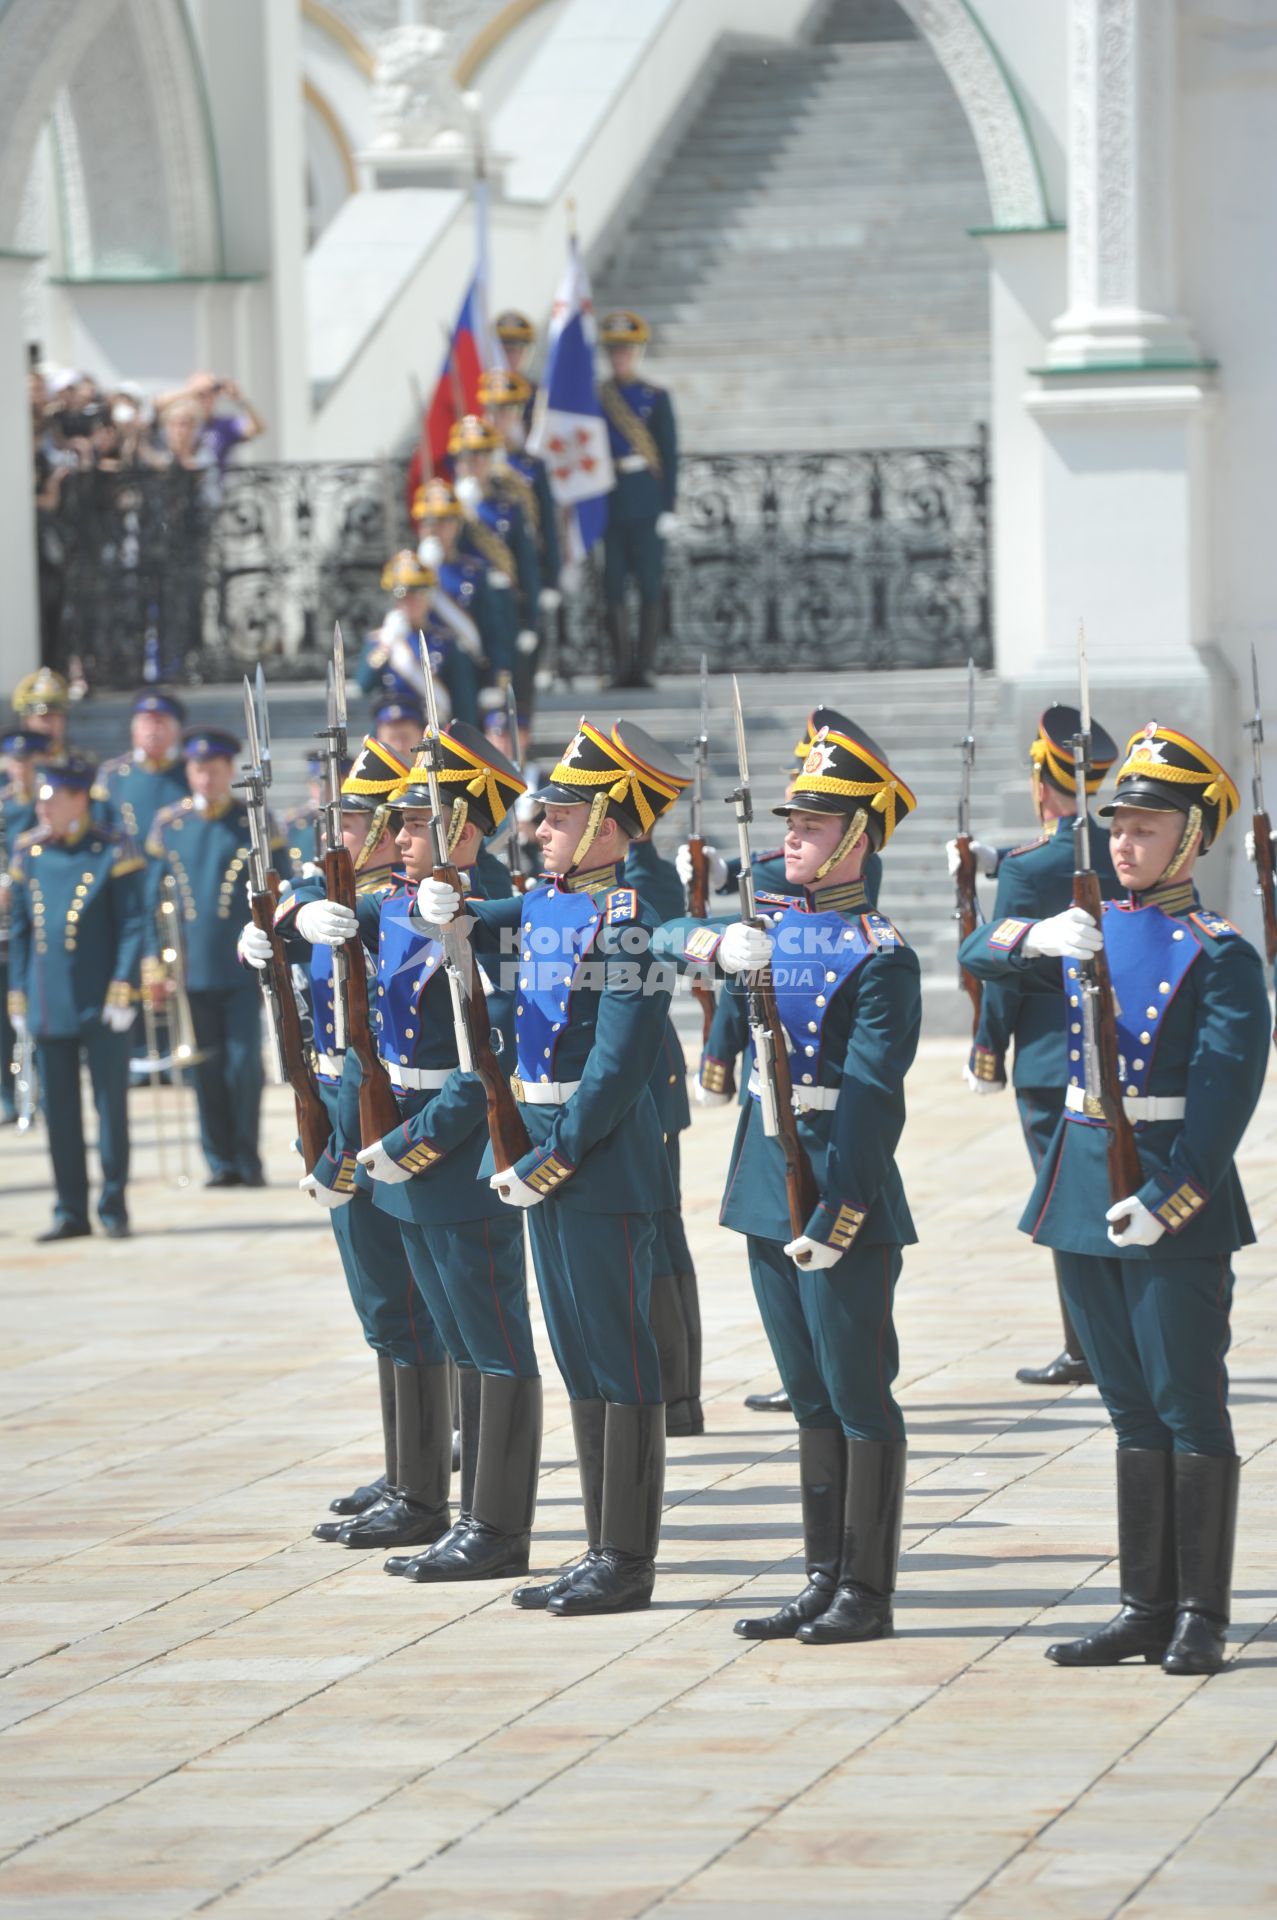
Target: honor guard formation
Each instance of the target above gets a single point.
(476, 1026)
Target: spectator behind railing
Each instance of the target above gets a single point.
(218, 432)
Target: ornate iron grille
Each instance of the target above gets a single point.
(783, 562)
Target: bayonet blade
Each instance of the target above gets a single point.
(432, 704)
(250, 727)
(1084, 685)
(263, 727)
(1257, 724)
(742, 751)
(704, 700)
(512, 726)
(971, 701)
(339, 678)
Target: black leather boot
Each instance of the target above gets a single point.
(1205, 1488)
(669, 1330)
(415, 1510)
(861, 1606)
(466, 1410)
(619, 1578)
(777, 1402)
(496, 1541)
(349, 1504)
(649, 634)
(1068, 1369)
(589, 1425)
(822, 1478)
(616, 622)
(1146, 1568)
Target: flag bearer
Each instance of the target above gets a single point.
(641, 513)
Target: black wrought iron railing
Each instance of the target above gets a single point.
(786, 562)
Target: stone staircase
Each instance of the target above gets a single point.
(803, 256)
(917, 717)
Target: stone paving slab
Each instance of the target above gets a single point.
(204, 1711)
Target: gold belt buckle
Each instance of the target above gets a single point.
(516, 1087)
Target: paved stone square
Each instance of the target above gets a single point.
(205, 1711)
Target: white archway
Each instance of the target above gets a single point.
(1017, 195)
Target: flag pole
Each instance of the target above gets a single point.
(474, 107)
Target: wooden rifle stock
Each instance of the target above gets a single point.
(1261, 827)
(1126, 1175)
(312, 1116)
(801, 1192)
(378, 1109)
(506, 1130)
(967, 916)
(698, 907)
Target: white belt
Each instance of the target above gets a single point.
(329, 1064)
(542, 1093)
(806, 1099)
(1168, 1106)
(416, 1079)
(632, 463)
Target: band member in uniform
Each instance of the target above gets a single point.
(1034, 882)
(131, 789)
(1147, 1276)
(203, 843)
(41, 702)
(847, 990)
(640, 516)
(300, 825)
(77, 936)
(20, 751)
(394, 1319)
(397, 724)
(590, 1014)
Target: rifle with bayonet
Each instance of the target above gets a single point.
(967, 909)
(475, 1053)
(352, 1015)
(1102, 1077)
(519, 880)
(698, 889)
(1261, 826)
(283, 1021)
(771, 1051)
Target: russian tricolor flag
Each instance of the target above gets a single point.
(457, 389)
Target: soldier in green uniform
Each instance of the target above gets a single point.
(590, 1013)
(77, 937)
(1147, 1276)
(848, 995)
(640, 516)
(17, 816)
(203, 843)
(131, 789)
(395, 1320)
(1034, 882)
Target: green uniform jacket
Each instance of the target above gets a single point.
(207, 854)
(76, 931)
(129, 792)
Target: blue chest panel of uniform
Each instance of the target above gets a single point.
(556, 930)
(407, 961)
(497, 515)
(815, 956)
(1149, 955)
(526, 464)
(641, 400)
(458, 580)
(321, 1001)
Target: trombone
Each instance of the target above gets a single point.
(183, 1054)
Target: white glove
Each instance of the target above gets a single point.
(119, 1019)
(550, 599)
(326, 923)
(570, 574)
(986, 858)
(981, 1086)
(255, 947)
(325, 1195)
(716, 863)
(469, 491)
(1071, 935)
(811, 1254)
(514, 1191)
(528, 641)
(744, 949)
(704, 1098)
(437, 902)
(666, 525)
(376, 1161)
(18, 1021)
(1142, 1229)
(430, 552)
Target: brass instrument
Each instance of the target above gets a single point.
(183, 1052)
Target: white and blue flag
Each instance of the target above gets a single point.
(570, 432)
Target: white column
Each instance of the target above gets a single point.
(21, 647)
(253, 68)
(1123, 110)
